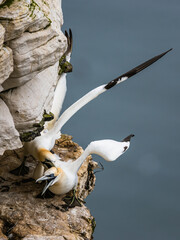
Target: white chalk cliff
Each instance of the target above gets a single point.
(31, 44)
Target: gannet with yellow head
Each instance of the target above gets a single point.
(55, 131)
(63, 177)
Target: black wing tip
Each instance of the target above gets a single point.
(162, 54)
(70, 32)
(111, 84)
(128, 138)
(66, 34)
(69, 37)
(136, 69)
(169, 50)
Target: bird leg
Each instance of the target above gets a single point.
(73, 201)
(21, 170)
(100, 167)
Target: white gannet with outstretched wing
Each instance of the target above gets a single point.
(40, 147)
(67, 114)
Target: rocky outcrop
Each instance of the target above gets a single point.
(6, 59)
(6, 64)
(32, 53)
(9, 135)
(25, 216)
(31, 44)
(39, 47)
(2, 32)
(19, 16)
(28, 102)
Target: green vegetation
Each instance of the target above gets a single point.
(7, 3)
(64, 65)
(32, 8)
(31, 135)
(93, 224)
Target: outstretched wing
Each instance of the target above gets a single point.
(99, 90)
(135, 70)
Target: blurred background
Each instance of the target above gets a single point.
(138, 196)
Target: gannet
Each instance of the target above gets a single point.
(63, 177)
(40, 147)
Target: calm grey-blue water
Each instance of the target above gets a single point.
(138, 196)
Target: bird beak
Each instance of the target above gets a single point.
(46, 177)
(48, 184)
(128, 138)
(51, 179)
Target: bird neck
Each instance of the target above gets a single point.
(77, 163)
(46, 157)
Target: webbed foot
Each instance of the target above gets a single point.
(72, 201)
(21, 170)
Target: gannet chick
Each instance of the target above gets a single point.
(63, 177)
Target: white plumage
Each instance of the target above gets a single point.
(63, 177)
(40, 147)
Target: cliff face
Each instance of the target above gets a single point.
(31, 43)
(23, 215)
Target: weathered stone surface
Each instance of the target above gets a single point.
(2, 1)
(38, 237)
(2, 31)
(30, 41)
(27, 103)
(34, 53)
(9, 136)
(6, 63)
(29, 217)
(27, 64)
(53, 11)
(20, 16)
(33, 31)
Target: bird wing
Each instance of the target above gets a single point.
(68, 113)
(70, 43)
(61, 88)
(135, 70)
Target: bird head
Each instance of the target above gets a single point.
(109, 149)
(52, 175)
(47, 158)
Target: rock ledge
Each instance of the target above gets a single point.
(24, 216)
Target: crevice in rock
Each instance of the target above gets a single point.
(90, 178)
(7, 230)
(23, 215)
